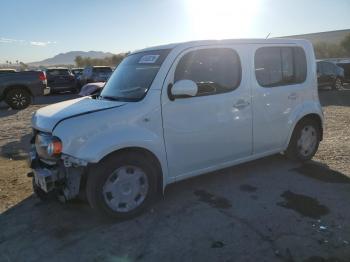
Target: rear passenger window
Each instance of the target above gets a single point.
(276, 66)
(215, 70)
(57, 72)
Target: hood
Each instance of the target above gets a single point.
(46, 118)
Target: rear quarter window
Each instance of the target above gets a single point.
(278, 66)
(56, 72)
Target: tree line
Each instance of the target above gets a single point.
(17, 64)
(113, 60)
(328, 50)
(323, 50)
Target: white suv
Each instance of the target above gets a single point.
(177, 111)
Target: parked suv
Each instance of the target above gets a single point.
(60, 79)
(93, 74)
(173, 112)
(329, 74)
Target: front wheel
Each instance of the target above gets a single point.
(122, 186)
(305, 140)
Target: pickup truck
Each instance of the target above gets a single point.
(18, 89)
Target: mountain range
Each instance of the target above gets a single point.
(68, 58)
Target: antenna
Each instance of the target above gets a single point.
(268, 35)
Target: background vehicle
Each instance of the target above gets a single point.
(346, 66)
(60, 79)
(173, 112)
(329, 74)
(77, 71)
(18, 89)
(93, 74)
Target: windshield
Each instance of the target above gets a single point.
(134, 76)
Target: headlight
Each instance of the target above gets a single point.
(48, 146)
(54, 148)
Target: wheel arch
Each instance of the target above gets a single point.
(149, 155)
(8, 88)
(313, 116)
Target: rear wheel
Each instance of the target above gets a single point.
(305, 140)
(18, 98)
(122, 186)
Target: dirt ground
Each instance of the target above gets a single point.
(15, 133)
(266, 210)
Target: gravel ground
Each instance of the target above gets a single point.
(14, 140)
(200, 219)
(334, 150)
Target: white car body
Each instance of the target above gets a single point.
(195, 135)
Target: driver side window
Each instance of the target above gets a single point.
(215, 70)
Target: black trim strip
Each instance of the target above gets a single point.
(85, 113)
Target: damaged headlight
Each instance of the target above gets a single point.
(48, 146)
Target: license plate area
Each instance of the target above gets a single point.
(45, 179)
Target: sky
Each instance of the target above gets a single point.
(32, 30)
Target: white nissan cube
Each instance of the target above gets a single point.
(172, 112)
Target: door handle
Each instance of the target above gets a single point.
(292, 96)
(241, 104)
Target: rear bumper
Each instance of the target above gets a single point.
(39, 90)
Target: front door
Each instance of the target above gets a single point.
(215, 127)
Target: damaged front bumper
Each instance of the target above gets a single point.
(63, 177)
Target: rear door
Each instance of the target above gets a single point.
(214, 127)
(278, 86)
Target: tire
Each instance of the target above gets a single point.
(131, 172)
(18, 98)
(304, 141)
(337, 85)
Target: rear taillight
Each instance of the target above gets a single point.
(42, 76)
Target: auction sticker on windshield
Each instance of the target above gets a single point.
(148, 59)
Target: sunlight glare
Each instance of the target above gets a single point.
(221, 19)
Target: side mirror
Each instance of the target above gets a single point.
(182, 89)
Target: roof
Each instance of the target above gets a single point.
(100, 66)
(55, 68)
(7, 69)
(226, 42)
